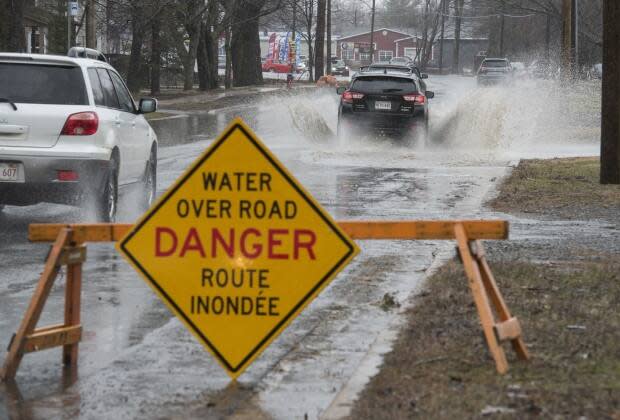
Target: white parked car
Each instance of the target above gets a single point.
(71, 133)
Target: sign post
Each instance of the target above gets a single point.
(237, 248)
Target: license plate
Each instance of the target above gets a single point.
(9, 172)
(383, 105)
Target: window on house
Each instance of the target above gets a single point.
(411, 53)
(364, 56)
(347, 54)
(385, 55)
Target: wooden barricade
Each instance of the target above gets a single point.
(65, 251)
(68, 249)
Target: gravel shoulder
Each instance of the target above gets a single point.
(565, 289)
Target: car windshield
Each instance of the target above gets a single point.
(383, 84)
(495, 63)
(338, 63)
(42, 84)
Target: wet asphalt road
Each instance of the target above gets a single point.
(137, 361)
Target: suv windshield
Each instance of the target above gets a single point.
(42, 84)
(495, 63)
(383, 84)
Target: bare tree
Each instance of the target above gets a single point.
(16, 38)
(458, 11)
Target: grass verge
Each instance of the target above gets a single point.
(440, 367)
(559, 188)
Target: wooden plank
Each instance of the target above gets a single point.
(33, 313)
(496, 297)
(49, 338)
(96, 232)
(73, 293)
(480, 299)
(424, 229)
(508, 330)
(404, 230)
(73, 255)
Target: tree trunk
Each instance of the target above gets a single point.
(610, 118)
(193, 30)
(203, 60)
(443, 28)
(245, 44)
(16, 35)
(428, 46)
(227, 46)
(328, 26)
(319, 40)
(91, 25)
(134, 74)
(155, 54)
(309, 14)
(456, 65)
(211, 43)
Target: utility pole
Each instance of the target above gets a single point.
(575, 33)
(294, 18)
(501, 30)
(443, 5)
(91, 24)
(548, 38)
(610, 123)
(567, 38)
(372, 32)
(328, 26)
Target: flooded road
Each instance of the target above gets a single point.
(137, 361)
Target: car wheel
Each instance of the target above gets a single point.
(107, 201)
(149, 182)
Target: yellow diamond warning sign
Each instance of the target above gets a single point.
(237, 248)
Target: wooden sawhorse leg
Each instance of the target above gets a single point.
(482, 285)
(27, 338)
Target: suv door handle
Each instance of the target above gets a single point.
(117, 121)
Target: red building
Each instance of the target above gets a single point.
(388, 43)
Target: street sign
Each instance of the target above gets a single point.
(74, 8)
(237, 248)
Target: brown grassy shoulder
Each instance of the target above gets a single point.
(440, 368)
(559, 188)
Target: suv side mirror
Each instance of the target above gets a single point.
(147, 105)
(424, 76)
(430, 94)
(341, 89)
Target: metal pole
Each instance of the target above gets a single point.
(372, 32)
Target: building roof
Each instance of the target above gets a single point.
(376, 30)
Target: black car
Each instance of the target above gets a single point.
(389, 102)
(410, 68)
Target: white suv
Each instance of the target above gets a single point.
(71, 133)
